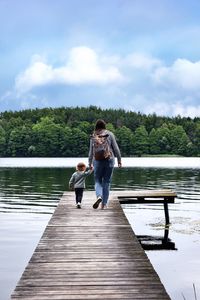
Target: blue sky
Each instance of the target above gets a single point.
(139, 55)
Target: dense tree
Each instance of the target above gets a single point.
(67, 147)
(65, 131)
(154, 147)
(86, 127)
(124, 138)
(48, 138)
(2, 141)
(19, 141)
(163, 139)
(179, 141)
(110, 127)
(79, 143)
(141, 141)
(196, 139)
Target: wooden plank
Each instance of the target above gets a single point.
(140, 200)
(89, 254)
(148, 193)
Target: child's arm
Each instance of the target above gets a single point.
(71, 182)
(88, 172)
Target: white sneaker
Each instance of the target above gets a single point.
(78, 205)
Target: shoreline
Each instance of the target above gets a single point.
(128, 162)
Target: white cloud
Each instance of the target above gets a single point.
(83, 67)
(148, 84)
(183, 74)
(36, 75)
(173, 109)
(186, 110)
(142, 61)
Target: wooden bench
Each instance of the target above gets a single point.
(164, 196)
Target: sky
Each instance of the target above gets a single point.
(137, 55)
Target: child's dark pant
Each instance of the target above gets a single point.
(79, 194)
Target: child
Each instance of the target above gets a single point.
(77, 182)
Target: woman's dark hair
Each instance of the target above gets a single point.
(100, 124)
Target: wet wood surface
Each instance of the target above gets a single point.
(89, 254)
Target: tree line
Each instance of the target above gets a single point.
(65, 132)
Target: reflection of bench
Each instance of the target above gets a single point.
(150, 196)
(151, 242)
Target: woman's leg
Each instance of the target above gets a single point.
(108, 171)
(98, 177)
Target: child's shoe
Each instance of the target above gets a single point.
(78, 205)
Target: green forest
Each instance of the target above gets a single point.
(65, 132)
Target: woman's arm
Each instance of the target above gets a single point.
(90, 155)
(115, 148)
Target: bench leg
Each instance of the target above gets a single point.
(166, 234)
(166, 212)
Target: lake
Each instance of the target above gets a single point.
(31, 188)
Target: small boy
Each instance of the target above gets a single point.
(77, 182)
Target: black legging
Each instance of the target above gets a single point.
(79, 194)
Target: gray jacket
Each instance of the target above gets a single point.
(113, 147)
(77, 179)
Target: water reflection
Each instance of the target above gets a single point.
(182, 180)
(154, 242)
(38, 190)
(30, 190)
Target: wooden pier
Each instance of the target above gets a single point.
(89, 254)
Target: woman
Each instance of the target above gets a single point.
(103, 149)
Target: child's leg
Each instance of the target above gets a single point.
(79, 194)
(76, 194)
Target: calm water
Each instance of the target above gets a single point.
(28, 197)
